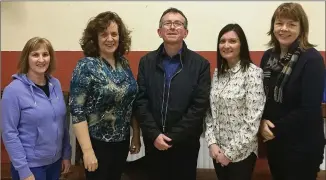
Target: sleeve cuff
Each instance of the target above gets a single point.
(276, 131)
(227, 154)
(66, 153)
(78, 119)
(154, 135)
(209, 143)
(24, 172)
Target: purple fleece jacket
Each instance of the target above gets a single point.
(34, 127)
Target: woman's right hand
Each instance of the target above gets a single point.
(31, 177)
(90, 161)
(214, 151)
(265, 131)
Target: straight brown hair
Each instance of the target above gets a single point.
(295, 12)
(31, 45)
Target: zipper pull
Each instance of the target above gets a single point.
(163, 129)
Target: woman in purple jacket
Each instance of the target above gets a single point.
(33, 110)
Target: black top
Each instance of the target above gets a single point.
(298, 120)
(45, 88)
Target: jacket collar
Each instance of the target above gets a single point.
(164, 54)
(160, 52)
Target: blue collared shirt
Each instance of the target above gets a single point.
(171, 64)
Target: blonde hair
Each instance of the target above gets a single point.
(32, 45)
(293, 11)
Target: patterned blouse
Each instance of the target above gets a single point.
(103, 97)
(237, 101)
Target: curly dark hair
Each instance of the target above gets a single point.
(89, 41)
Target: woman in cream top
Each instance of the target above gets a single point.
(236, 105)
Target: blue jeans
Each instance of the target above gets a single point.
(48, 172)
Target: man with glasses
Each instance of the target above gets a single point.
(174, 85)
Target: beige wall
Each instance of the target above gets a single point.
(63, 22)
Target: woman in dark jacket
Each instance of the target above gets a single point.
(292, 124)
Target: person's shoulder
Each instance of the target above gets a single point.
(270, 50)
(254, 69)
(88, 61)
(267, 53)
(14, 87)
(194, 56)
(311, 53)
(87, 64)
(150, 56)
(124, 62)
(312, 58)
(124, 59)
(53, 80)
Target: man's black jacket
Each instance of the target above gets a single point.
(187, 102)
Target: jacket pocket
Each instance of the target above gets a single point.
(45, 146)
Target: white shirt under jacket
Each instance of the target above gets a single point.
(237, 101)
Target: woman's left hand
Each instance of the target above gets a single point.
(265, 130)
(65, 166)
(221, 158)
(135, 145)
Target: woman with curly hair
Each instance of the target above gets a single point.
(103, 90)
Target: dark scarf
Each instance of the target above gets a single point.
(284, 66)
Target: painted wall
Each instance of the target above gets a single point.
(63, 23)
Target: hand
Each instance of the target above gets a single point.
(31, 177)
(90, 161)
(265, 131)
(160, 142)
(135, 145)
(65, 166)
(214, 150)
(221, 158)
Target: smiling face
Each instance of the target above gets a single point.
(286, 31)
(38, 61)
(229, 47)
(108, 40)
(172, 29)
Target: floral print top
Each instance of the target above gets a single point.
(103, 97)
(237, 101)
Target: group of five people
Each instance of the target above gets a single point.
(173, 102)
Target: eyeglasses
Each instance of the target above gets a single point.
(177, 24)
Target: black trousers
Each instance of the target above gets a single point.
(177, 163)
(294, 165)
(111, 157)
(241, 170)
